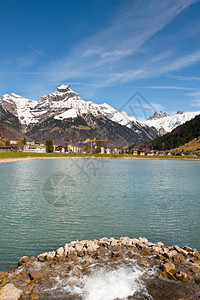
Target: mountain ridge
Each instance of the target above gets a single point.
(64, 110)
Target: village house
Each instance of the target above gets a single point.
(59, 149)
(149, 153)
(141, 152)
(72, 149)
(135, 151)
(4, 148)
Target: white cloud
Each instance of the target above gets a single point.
(186, 78)
(183, 62)
(167, 87)
(95, 56)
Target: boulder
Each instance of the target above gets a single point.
(92, 246)
(181, 276)
(3, 275)
(168, 267)
(50, 255)
(35, 275)
(79, 246)
(41, 257)
(144, 240)
(60, 251)
(10, 292)
(188, 249)
(23, 260)
(180, 251)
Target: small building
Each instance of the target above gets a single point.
(4, 148)
(116, 151)
(141, 152)
(13, 142)
(59, 149)
(102, 150)
(149, 153)
(161, 153)
(108, 151)
(72, 149)
(135, 151)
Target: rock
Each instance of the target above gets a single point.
(35, 275)
(168, 267)
(79, 247)
(160, 244)
(35, 297)
(144, 240)
(143, 262)
(60, 251)
(140, 245)
(181, 276)
(127, 241)
(178, 258)
(92, 246)
(196, 254)
(41, 257)
(10, 292)
(169, 254)
(113, 242)
(188, 249)
(23, 260)
(180, 251)
(3, 275)
(50, 255)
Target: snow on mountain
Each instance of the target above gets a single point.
(158, 115)
(168, 123)
(70, 113)
(64, 103)
(20, 107)
(64, 99)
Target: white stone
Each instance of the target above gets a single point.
(10, 292)
(60, 251)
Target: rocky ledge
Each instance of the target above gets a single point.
(165, 272)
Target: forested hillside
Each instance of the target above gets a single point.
(179, 136)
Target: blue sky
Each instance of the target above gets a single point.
(106, 50)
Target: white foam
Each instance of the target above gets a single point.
(108, 283)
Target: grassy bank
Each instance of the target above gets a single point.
(7, 155)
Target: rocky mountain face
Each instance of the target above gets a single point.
(10, 126)
(65, 117)
(158, 115)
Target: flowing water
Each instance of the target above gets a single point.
(46, 203)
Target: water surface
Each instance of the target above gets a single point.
(47, 203)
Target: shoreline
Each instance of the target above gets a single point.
(30, 158)
(154, 268)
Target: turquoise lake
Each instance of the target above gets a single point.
(47, 203)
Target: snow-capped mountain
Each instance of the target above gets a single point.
(64, 103)
(21, 107)
(63, 114)
(158, 115)
(168, 123)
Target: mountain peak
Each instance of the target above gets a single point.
(64, 88)
(158, 115)
(180, 112)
